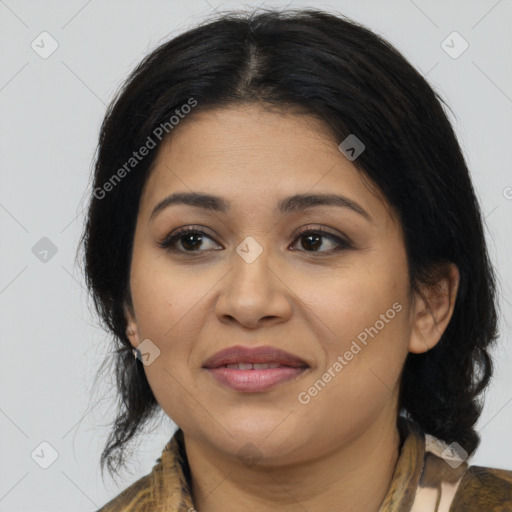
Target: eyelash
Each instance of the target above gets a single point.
(169, 241)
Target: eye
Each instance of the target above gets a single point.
(191, 239)
(312, 239)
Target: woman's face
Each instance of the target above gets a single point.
(337, 300)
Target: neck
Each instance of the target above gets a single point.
(351, 478)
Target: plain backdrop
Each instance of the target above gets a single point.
(51, 110)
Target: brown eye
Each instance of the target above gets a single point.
(312, 240)
(190, 240)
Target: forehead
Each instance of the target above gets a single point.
(254, 157)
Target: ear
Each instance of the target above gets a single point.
(132, 331)
(431, 317)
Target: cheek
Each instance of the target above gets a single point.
(169, 307)
(366, 311)
(163, 294)
(167, 318)
(355, 300)
(361, 376)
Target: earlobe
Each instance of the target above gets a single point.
(431, 317)
(132, 331)
(132, 334)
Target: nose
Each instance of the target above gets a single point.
(253, 293)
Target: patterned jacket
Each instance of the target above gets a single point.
(429, 477)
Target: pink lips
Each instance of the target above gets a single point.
(283, 366)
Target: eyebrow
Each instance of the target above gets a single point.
(292, 204)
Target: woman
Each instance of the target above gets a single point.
(284, 240)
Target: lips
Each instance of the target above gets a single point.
(241, 355)
(254, 370)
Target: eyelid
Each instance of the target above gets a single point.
(172, 237)
(319, 229)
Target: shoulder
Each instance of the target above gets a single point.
(483, 488)
(137, 496)
(165, 488)
(450, 484)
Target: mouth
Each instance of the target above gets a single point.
(254, 369)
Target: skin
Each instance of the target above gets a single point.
(339, 450)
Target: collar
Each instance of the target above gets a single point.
(417, 484)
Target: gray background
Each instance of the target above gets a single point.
(51, 112)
